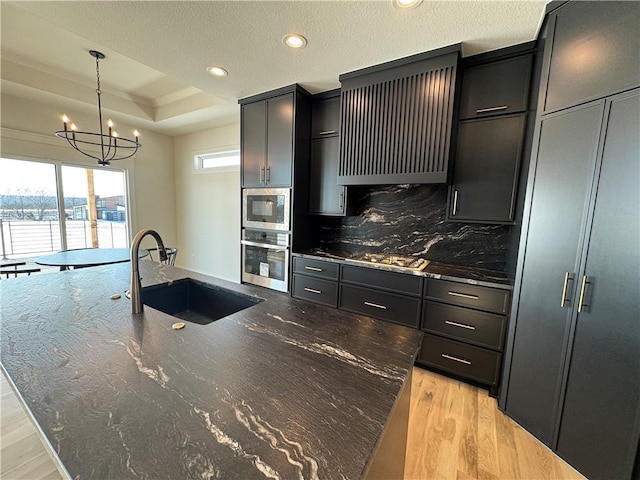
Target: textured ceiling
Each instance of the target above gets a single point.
(157, 52)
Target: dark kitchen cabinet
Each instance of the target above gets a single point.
(326, 197)
(491, 135)
(464, 327)
(486, 169)
(396, 120)
(496, 88)
(575, 355)
(267, 142)
(573, 345)
(594, 52)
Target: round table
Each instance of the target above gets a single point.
(88, 257)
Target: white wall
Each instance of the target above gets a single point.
(28, 128)
(207, 207)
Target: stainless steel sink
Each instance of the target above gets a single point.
(194, 301)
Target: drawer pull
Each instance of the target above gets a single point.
(463, 295)
(461, 325)
(313, 269)
(375, 305)
(491, 109)
(456, 359)
(312, 290)
(330, 132)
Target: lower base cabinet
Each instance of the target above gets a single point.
(464, 324)
(474, 363)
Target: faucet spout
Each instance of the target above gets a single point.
(136, 287)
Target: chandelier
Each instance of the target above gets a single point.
(111, 146)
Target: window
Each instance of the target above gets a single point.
(222, 161)
(39, 214)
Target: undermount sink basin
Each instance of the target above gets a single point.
(195, 301)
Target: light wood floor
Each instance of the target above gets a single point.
(456, 432)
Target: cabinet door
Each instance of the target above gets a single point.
(254, 130)
(562, 179)
(601, 415)
(279, 141)
(325, 120)
(325, 195)
(497, 87)
(486, 169)
(595, 52)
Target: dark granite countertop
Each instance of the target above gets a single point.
(443, 271)
(285, 389)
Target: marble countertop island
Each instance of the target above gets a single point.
(283, 390)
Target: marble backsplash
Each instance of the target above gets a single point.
(411, 220)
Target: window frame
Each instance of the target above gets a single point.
(199, 156)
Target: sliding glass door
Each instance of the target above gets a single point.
(48, 207)
(95, 208)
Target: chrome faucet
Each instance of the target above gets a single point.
(136, 298)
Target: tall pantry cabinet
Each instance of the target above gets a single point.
(572, 374)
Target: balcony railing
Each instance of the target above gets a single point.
(27, 237)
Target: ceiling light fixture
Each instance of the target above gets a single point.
(217, 71)
(112, 147)
(406, 4)
(294, 40)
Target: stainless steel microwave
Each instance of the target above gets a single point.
(266, 208)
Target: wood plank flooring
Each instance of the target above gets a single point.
(456, 432)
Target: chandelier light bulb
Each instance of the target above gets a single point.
(110, 123)
(136, 134)
(73, 127)
(114, 134)
(65, 119)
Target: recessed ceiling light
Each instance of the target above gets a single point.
(294, 40)
(406, 4)
(217, 71)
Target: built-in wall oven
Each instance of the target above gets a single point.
(265, 259)
(266, 208)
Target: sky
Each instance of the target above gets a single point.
(19, 174)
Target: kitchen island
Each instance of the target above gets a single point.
(284, 389)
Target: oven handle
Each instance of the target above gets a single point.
(264, 245)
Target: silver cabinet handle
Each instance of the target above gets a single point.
(455, 203)
(456, 359)
(268, 179)
(341, 200)
(463, 295)
(312, 290)
(327, 132)
(261, 174)
(581, 304)
(313, 269)
(461, 325)
(375, 305)
(564, 300)
(491, 109)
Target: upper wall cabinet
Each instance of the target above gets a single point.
(497, 87)
(594, 52)
(396, 120)
(268, 128)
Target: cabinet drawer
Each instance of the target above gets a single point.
(316, 268)
(480, 328)
(315, 290)
(474, 363)
(386, 306)
(495, 88)
(481, 298)
(391, 281)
